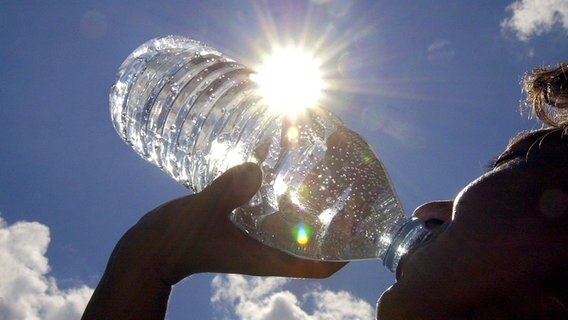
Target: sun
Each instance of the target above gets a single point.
(290, 80)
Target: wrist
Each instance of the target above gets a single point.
(129, 289)
(162, 244)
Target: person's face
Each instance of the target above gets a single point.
(500, 249)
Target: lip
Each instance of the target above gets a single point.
(404, 259)
(402, 262)
(435, 232)
(398, 272)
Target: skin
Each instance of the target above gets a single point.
(499, 250)
(502, 249)
(187, 236)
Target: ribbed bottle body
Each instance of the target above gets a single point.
(187, 109)
(194, 113)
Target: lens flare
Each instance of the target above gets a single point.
(302, 234)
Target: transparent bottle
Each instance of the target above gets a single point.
(194, 113)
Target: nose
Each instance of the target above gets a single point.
(434, 213)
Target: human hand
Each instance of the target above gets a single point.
(193, 234)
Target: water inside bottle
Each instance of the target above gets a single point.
(194, 113)
(327, 200)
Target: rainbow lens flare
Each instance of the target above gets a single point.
(302, 234)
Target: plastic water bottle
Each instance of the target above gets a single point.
(194, 113)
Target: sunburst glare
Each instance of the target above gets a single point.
(308, 57)
(290, 80)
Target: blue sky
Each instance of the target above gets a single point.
(434, 88)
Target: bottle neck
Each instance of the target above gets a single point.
(406, 236)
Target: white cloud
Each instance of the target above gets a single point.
(26, 292)
(255, 298)
(534, 17)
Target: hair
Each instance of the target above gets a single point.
(547, 95)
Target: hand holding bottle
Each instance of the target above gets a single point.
(190, 235)
(193, 234)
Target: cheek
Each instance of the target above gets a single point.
(505, 219)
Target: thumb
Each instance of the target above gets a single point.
(234, 187)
